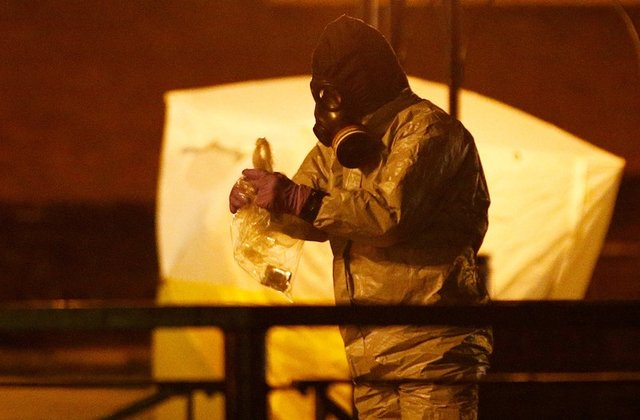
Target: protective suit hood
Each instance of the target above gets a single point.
(358, 60)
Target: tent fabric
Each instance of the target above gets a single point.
(552, 199)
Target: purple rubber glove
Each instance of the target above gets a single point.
(240, 195)
(277, 193)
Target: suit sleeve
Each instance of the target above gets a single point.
(409, 190)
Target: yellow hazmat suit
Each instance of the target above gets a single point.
(407, 232)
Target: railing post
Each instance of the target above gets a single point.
(456, 65)
(245, 374)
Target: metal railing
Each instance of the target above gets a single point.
(245, 328)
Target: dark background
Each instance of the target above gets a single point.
(82, 112)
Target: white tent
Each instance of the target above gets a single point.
(552, 199)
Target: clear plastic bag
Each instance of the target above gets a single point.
(270, 256)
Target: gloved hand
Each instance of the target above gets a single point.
(277, 193)
(241, 194)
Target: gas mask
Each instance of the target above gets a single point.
(335, 128)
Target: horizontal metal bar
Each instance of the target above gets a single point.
(532, 314)
(562, 377)
(303, 385)
(177, 386)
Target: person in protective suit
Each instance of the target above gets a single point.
(397, 187)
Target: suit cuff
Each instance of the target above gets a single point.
(312, 205)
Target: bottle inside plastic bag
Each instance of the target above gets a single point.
(269, 256)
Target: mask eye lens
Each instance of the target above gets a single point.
(329, 98)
